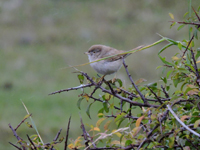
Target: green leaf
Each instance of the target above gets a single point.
(172, 24)
(153, 85)
(180, 27)
(164, 79)
(171, 141)
(79, 103)
(101, 110)
(105, 106)
(164, 61)
(119, 122)
(120, 82)
(198, 54)
(176, 82)
(128, 142)
(120, 116)
(180, 45)
(88, 110)
(81, 78)
(165, 47)
(185, 14)
(168, 73)
(196, 34)
(196, 124)
(190, 30)
(191, 67)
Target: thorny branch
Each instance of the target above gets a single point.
(131, 98)
(67, 134)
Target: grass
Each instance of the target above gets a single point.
(39, 38)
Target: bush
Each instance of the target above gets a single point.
(161, 115)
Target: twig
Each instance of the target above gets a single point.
(22, 122)
(57, 135)
(119, 96)
(187, 46)
(73, 88)
(196, 69)
(31, 142)
(192, 143)
(131, 117)
(15, 146)
(176, 117)
(150, 133)
(135, 86)
(15, 134)
(84, 134)
(182, 22)
(166, 94)
(67, 134)
(159, 100)
(196, 14)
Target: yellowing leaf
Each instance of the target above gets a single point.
(193, 92)
(107, 124)
(171, 141)
(77, 141)
(71, 146)
(29, 125)
(100, 115)
(175, 58)
(27, 116)
(117, 133)
(153, 117)
(61, 139)
(108, 96)
(136, 130)
(191, 86)
(184, 117)
(137, 124)
(196, 124)
(86, 97)
(171, 15)
(100, 121)
(96, 129)
(140, 81)
(198, 61)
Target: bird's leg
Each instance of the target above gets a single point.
(101, 79)
(115, 77)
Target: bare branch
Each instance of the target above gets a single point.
(15, 146)
(182, 22)
(176, 117)
(67, 134)
(22, 122)
(85, 134)
(15, 134)
(73, 88)
(135, 86)
(31, 142)
(57, 135)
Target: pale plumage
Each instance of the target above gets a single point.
(107, 66)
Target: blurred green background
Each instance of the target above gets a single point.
(39, 38)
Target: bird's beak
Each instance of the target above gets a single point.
(86, 53)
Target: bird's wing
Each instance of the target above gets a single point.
(117, 57)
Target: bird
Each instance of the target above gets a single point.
(107, 66)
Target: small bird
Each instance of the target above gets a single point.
(106, 66)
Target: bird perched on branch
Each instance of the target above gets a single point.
(109, 65)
